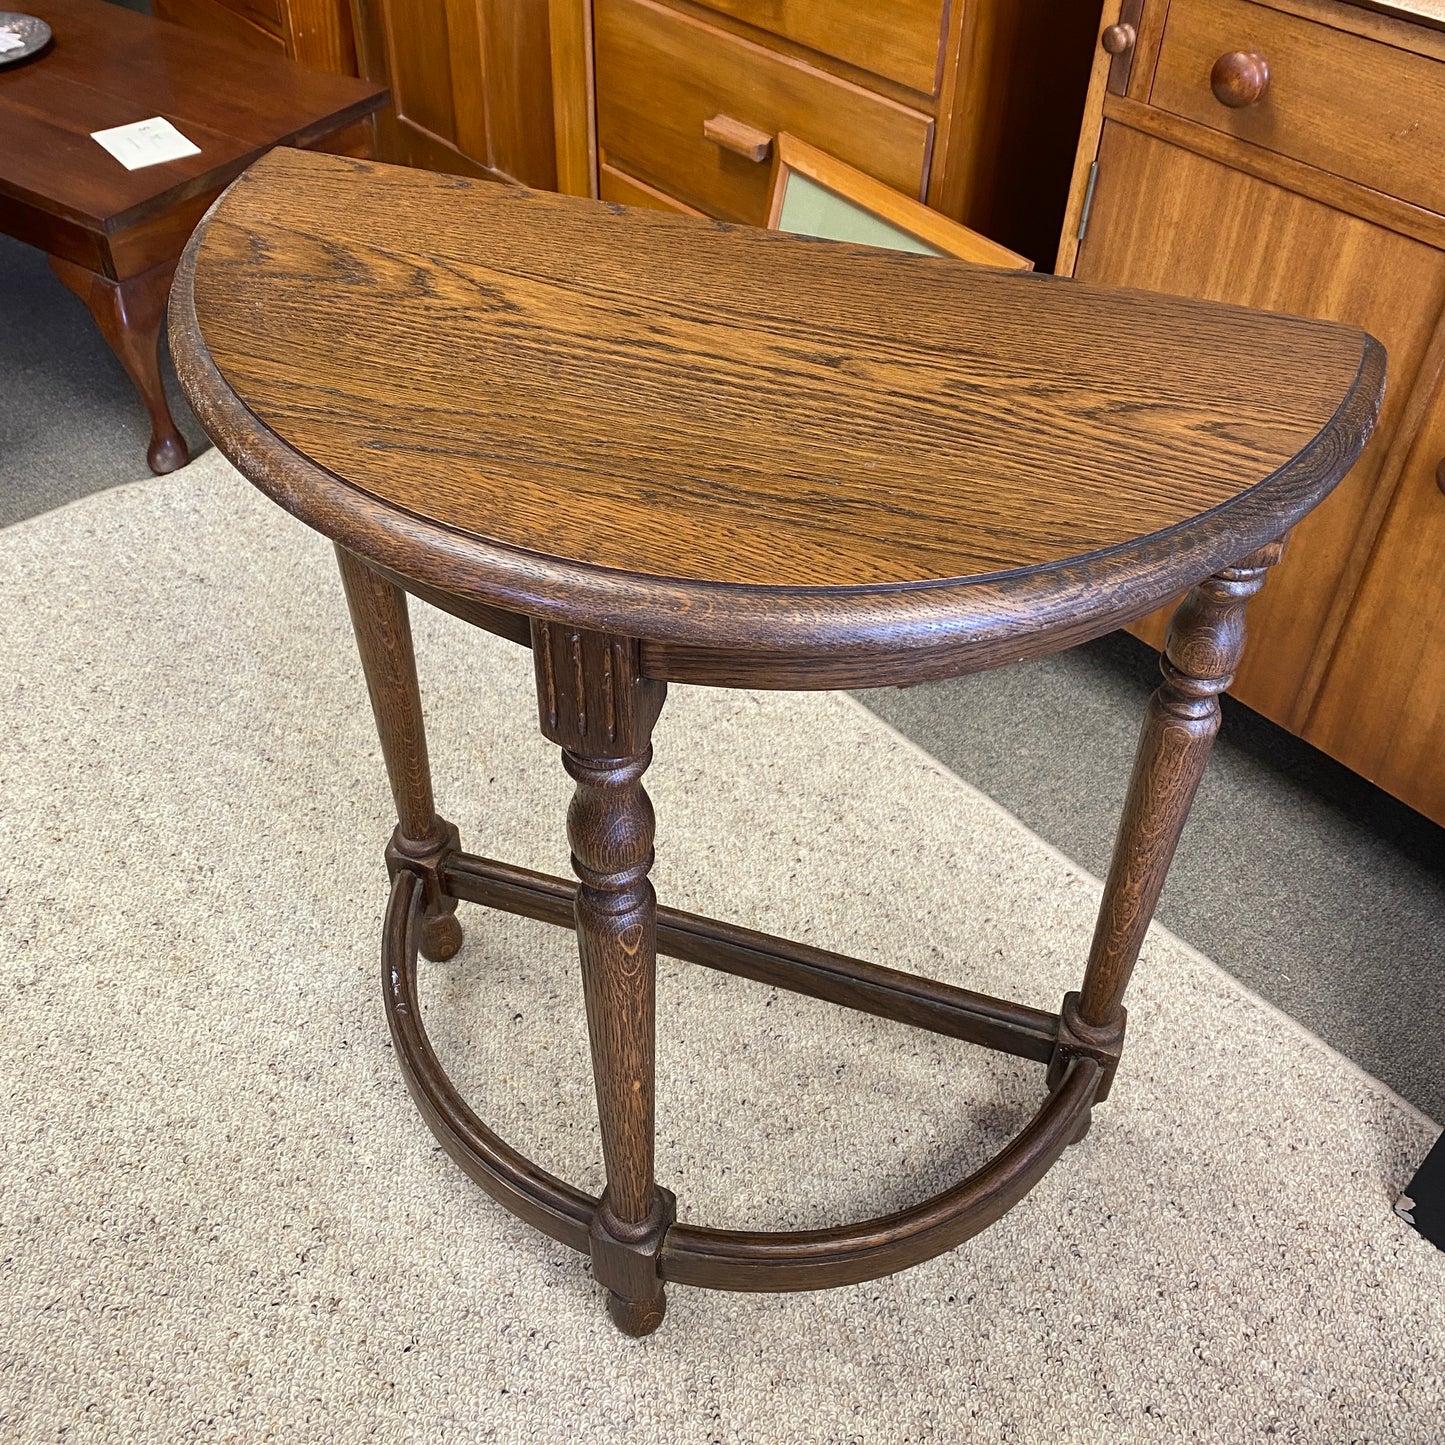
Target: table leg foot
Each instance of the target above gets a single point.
(635, 1317)
(129, 314)
(423, 839)
(167, 454)
(625, 1258)
(441, 937)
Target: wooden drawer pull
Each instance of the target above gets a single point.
(1239, 78)
(1118, 39)
(743, 140)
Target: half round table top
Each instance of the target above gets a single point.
(716, 437)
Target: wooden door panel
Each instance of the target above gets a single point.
(1165, 219)
(421, 79)
(517, 85)
(471, 84)
(1382, 708)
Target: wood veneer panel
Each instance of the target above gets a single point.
(321, 34)
(421, 75)
(516, 79)
(1166, 219)
(625, 190)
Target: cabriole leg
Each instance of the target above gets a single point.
(422, 839)
(1206, 638)
(129, 314)
(600, 711)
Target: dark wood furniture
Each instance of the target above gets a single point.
(1291, 154)
(113, 235)
(318, 33)
(657, 449)
(969, 105)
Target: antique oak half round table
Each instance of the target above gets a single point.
(657, 449)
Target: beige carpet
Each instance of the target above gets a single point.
(224, 1221)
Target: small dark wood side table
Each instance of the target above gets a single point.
(113, 235)
(657, 449)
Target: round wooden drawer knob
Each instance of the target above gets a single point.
(1239, 78)
(1119, 38)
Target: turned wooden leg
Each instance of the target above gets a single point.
(600, 711)
(129, 315)
(422, 840)
(1206, 638)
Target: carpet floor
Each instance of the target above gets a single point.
(72, 421)
(224, 1220)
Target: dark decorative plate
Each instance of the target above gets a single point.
(32, 33)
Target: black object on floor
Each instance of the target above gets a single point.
(1423, 1202)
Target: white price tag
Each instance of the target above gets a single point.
(145, 143)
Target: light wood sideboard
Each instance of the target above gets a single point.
(1291, 155)
(969, 105)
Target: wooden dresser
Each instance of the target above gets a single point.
(970, 105)
(1291, 155)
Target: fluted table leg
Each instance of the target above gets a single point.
(600, 711)
(422, 839)
(1205, 641)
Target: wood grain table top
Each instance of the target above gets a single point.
(707, 432)
(109, 66)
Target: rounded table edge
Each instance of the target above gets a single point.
(702, 631)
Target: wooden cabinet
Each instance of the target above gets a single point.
(969, 105)
(1322, 196)
(317, 33)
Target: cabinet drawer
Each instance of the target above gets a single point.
(661, 76)
(900, 41)
(1346, 104)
